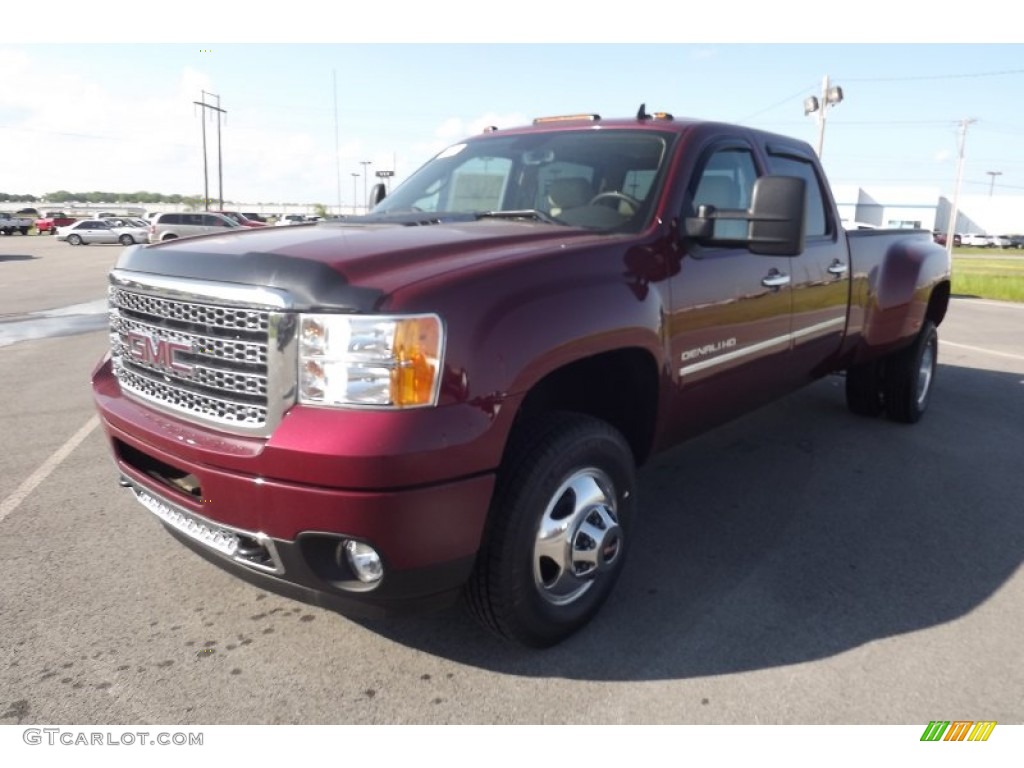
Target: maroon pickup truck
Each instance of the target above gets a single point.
(451, 394)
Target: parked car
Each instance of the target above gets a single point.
(452, 393)
(130, 231)
(940, 238)
(974, 240)
(289, 219)
(1016, 241)
(255, 217)
(1000, 241)
(88, 231)
(241, 218)
(31, 212)
(170, 226)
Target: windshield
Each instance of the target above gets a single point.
(600, 179)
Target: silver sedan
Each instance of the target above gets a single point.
(87, 231)
(131, 231)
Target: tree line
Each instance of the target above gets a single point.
(64, 196)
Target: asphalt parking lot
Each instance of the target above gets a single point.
(800, 565)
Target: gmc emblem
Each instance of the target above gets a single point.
(157, 352)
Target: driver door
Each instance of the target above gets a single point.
(731, 309)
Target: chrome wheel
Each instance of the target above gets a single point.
(578, 538)
(909, 375)
(557, 534)
(924, 375)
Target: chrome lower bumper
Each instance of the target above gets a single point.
(253, 550)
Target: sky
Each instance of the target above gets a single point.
(311, 108)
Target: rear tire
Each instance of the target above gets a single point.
(556, 537)
(909, 375)
(127, 240)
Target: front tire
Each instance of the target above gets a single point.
(557, 531)
(75, 239)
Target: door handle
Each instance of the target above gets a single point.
(837, 268)
(775, 280)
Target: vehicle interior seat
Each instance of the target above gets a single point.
(573, 192)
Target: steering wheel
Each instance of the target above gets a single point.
(631, 201)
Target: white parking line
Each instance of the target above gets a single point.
(11, 502)
(989, 303)
(982, 349)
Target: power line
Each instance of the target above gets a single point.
(996, 73)
(799, 93)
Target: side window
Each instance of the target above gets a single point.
(171, 218)
(726, 181)
(817, 220)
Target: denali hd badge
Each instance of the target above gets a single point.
(708, 349)
(157, 353)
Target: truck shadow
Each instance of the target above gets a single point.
(796, 533)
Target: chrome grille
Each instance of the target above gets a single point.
(181, 351)
(199, 314)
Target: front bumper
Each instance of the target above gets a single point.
(307, 569)
(289, 530)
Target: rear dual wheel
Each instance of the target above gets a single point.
(557, 530)
(901, 383)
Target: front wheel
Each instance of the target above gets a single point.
(75, 239)
(557, 530)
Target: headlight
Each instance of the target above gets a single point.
(370, 360)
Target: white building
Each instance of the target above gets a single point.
(927, 208)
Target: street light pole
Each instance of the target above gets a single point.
(366, 173)
(830, 96)
(355, 195)
(992, 186)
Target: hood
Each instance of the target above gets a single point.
(351, 265)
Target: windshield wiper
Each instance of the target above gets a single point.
(524, 213)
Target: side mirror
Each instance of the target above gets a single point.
(777, 216)
(775, 219)
(377, 193)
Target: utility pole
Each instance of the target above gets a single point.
(206, 175)
(992, 186)
(337, 151)
(355, 195)
(951, 227)
(220, 165)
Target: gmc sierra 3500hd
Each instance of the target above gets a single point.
(451, 394)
